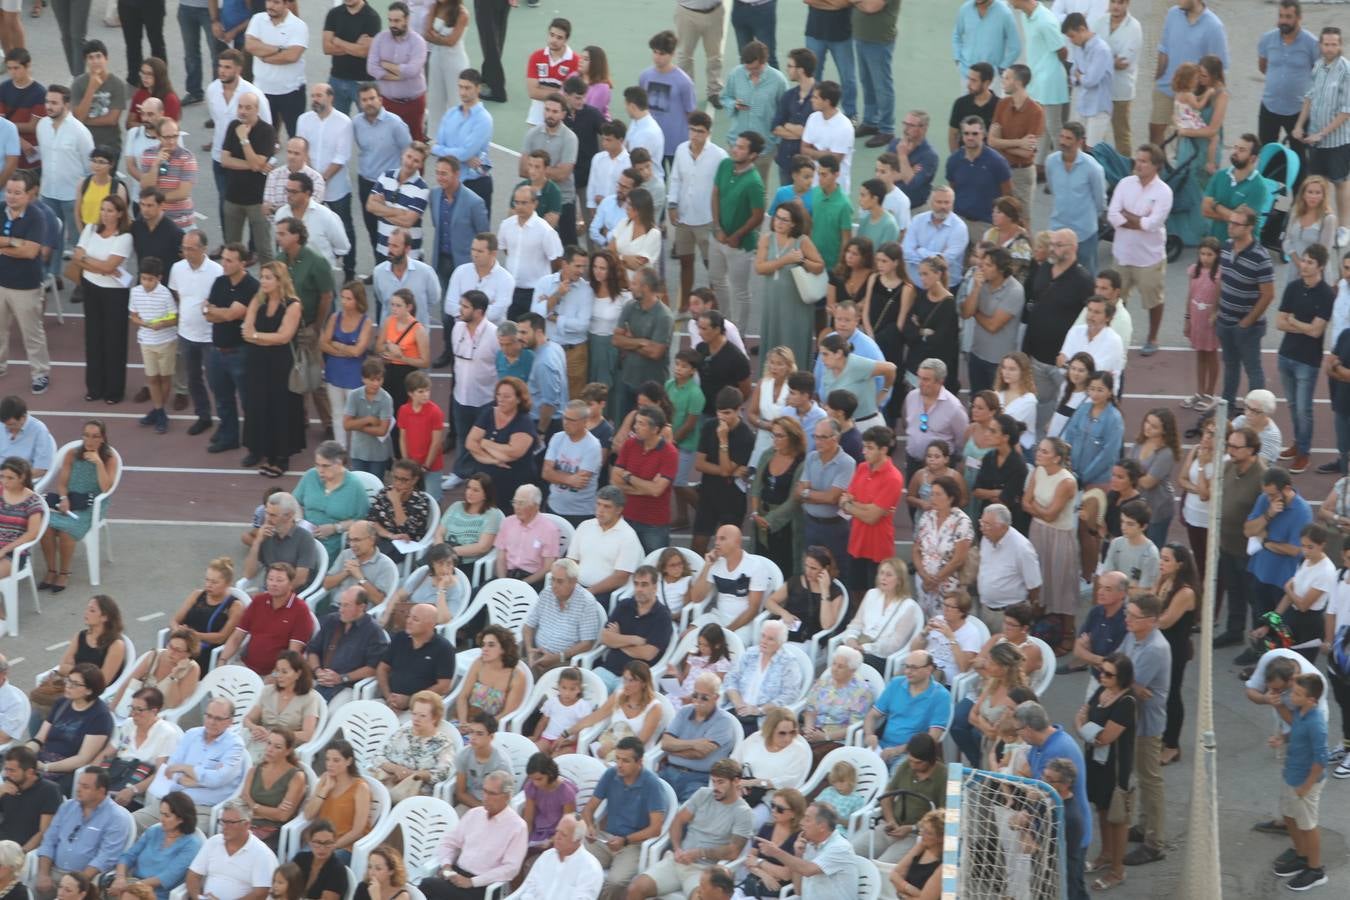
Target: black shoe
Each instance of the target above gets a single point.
(210, 123)
(715, 101)
(193, 99)
(879, 140)
(1331, 468)
(1288, 863)
(90, 398)
(248, 462)
(1270, 826)
(1143, 855)
(1247, 657)
(150, 418)
(863, 131)
(1135, 835)
(1307, 879)
(442, 361)
(221, 448)
(1228, 639)
(202, 424)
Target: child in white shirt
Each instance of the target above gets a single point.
(554, 734)
(155, 315)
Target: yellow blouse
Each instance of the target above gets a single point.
(92, 200)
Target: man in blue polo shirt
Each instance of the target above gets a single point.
(909, 705)
(25, 436)
(1277, 519)
(979, 175)
(21, 280)
(1052, 742)
(636, 811)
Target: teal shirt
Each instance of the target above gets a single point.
(884, 230)
(687, 399)
(322, 507)
(1251, 191)
(1049, 83)
(831, 216)
(762, 99)
(518, 369)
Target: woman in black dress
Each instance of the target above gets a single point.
(811, 602)
(324, 873)
(1113, 711)
(1176, 588)
(881, 300)
(274, 416)
(775, 509)
(917, 874)
(930, 327)
(787, 806)
(1003, 473)
(211, 612)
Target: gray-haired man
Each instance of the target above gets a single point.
(606, 548)
(232, 865)
(824, 478)
(1010, 570)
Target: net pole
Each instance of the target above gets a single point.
(1201, 873)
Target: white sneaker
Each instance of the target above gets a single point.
(1343, 770)
(450, 482)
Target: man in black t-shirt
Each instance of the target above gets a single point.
(723, 458)
(226, 306)
(585, 122)
(1307, 301)
(978, 100)
(1056, 294)
(724, 364)
(343, 28)
(28, 802)
(249, 143)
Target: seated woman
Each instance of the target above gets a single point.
(493, 684)
(212, 612)
(763, 676)
(548, 797)
(953, 638)
(331, 496)
(812, 602)
(886, 617)
(139, 746)
(342, 797)
(421, 754)
(173, 671)
(400, 512)
(777, 757)
(787, 806)
(917, 874)
(11, 872)
(470, 525)
(631, 711)
(386, 878)
(710, 655)
(287, 701)
(325, 875)
(275, 786)
(159, 859)
(83, 473)
(100, 644)
(20, 512)
(837, 700)
(76, 729)
(437, 585)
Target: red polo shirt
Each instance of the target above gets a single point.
(270, 630)
(646, 464)
(882, 487)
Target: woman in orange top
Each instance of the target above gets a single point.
(342, 797)
(405, 345)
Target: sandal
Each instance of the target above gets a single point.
(1107, 881)
(58, 588)
(1096, 865)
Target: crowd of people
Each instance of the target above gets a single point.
(583, 430)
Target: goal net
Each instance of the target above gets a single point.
(1003, 838)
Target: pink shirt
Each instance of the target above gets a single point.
(497, 850)
(1146, 245)
(525, 546)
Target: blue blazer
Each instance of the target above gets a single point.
(470, 218)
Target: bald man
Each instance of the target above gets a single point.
(737, 580)
(144, 136)
(426, 660)
(249, 143)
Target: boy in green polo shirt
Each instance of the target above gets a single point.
(550, 196)
(686, 396)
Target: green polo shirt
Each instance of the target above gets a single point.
(312, 276)
(687, 399)
(1251, 191)
(655, 324)
(738, 196)
(550, 198)
(831, 216)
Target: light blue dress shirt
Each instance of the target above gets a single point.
(1093, 67)
(33, 442)
(607, 216)
(928, 237)
(548, 380)
(573, 312)
(1184, 42)
(419, 278)
(218, 767)
(1049, 85)
(1079, 192)
(465, 136)
(149, 858)
(75, 841)
(381, 143)
(990, 38)
(762, 99)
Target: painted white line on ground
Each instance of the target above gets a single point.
(188, 470)
(149, 617)
(131, 365)
(16, 660)
(57, 646)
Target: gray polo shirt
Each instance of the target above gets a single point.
(714, 823)
(655, 324)
(822, 476)
(379, 570)
(365, 447)
(1152, 669)
(562, 149)
(299, 548)
(993, 346)
(721, 727)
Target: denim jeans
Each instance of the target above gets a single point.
(374, 467)
(683, 781)
(1157, 532)
(344, 94)
(1342, 421)
(842, 51)
(981, 373)
(187, 377)
(652, 537)
(65, 211)
(875, 65)
(966, 736)
(1087, 254)
(343, 207)
(1299, 379)
(611, 680)
(1241, 349)
(72, 20)
(463, 417)
(225, 375)
(193, 22)
(757, 23)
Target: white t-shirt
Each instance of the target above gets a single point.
(271, 78)
(897, 204)
(1320, 575)
(561, 717)
(192, 287)
(101, 248)
(230, 877)
(968, 638)
(834, 135)
(733, 586)
(1258, 680)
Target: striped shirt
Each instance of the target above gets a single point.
(411, 194)
(14, 516)
(556, 628)
(180, 168)
(150, 307)
(1241, 276)
(1330, 96)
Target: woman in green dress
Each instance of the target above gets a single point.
(786, 320)
(85, 472)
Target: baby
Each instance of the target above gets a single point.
(841, 794)
(1186, 109)
(560, 714)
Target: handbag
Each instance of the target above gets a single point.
(754, 796)
(78, 500)
(810, 288)
(73, 271)
(306, 375)
(123, 773)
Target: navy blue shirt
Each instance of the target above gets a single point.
(1105, 634)
(793, 109)
(978, 182)
(654, 628)
(22, 274)
(1340, 390)
(924, 160)
(1305, 304)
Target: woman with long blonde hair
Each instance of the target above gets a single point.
(1016, 389)
(770, 400)
(1312, 220)
(274, 415)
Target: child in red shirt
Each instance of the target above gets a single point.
(421, 425)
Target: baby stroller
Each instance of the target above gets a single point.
(1174, 175)
(1279, 165)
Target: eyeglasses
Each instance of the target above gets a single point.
(779, 808)
(140, 709)
(328, 843)
(236, 822)
(218, 718)
(73, 683)
(1233, 446)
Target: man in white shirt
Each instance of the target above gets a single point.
(142, 137)
(1096, 338)
(567, 871)
(530, 246)
(327, 234)
(608, 163)
(473, 344)
(828, 131)
(13, 707)
(222, 105)
(689, 197)
(1138, 211)
(329, 133)
(643, 130)
(64, 144)
(190, 282)
(606, 548)
(897, 201)
(1010, 570)
(276, 40)
(483, 273)
(234, 864)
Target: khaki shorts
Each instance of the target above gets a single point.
(1151, 282)
(689, 238)
(1303, 810)
(672, 877)
(160, 359)
(1161, 113)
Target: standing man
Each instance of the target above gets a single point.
(399, 199)
(326, 233)
(689, 203)
(978, 100)
(831, 213)
(1152, 657)
(225, 367)
(752, 94)
(1047, 52)
(397, 61)
(1242, 476)
(557, 139)
(464, 132)
(530, 246)
(670, 91)
(381, 138)
(172, 168)
(1138, 211)
(985, 31)
(564, 300)
(644, 470)
(328, 132)
(932, 413)
(296, 163)
(457, 216)
(1019, 122)
(313, 280)
(1190, 31)
(348, 29)
(1324, 124)
(823, 480)
(64, 144)
(100, 97)
(222, 105)
(1235, 187)
(194, 22)
(473, 345)
(1092, 68)
(571, 466)
(1077, 186)
(276, 39)
(1246, 289)
(702, 20)
(917, 159)
(738, 209)
(21, 281)
(23, 101)
(829, 32)
(1125, 36)
(937, 232)
(827, 130)
(490, 18)
(1058, 294)
(482, 273)
(547, 68)
(980, 175)
(643, 335)
(756, 20)
(795, 106)
(400, 271)
(190, 281)
(643, 131)
(245, 154)
(1286, 55)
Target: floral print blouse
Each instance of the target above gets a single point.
(835, 705)
(435, 754)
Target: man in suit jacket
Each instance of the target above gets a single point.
(467, 217)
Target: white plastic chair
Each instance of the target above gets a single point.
(21, 570)
(518, 748)
(583, 771)
(351, 883)
(1040, 683)
(239, 684)
(95, 541)
(565, 532)
(425, 540)
(484, 568)
(423, 821)
(872, 778)
(366, 724)
(373, 485)
(314, 591)
(968, 682)
(808, 670)
(588, 659)
(508, 602)
(464, 660)
(293, 832)
(592, 688)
